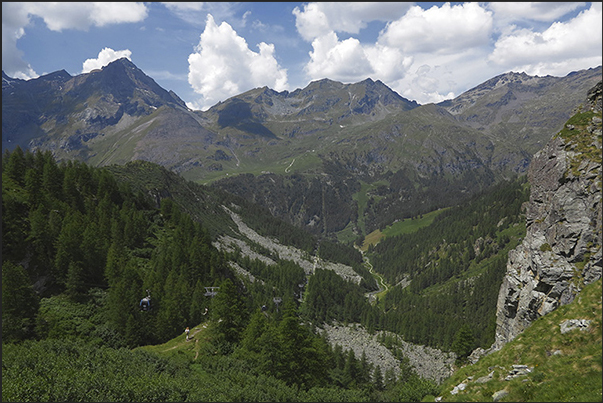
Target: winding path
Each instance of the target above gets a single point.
(383, 286)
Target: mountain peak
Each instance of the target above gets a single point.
(124, 79)
(124, 65)
(123, 61)
(324, 83)
(60, 75)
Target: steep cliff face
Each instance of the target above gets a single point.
(561, 252)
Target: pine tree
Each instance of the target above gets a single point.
(463, 342)
(33, 185)
(228, 313)
(41, 240)
(364, 373)
(271, 359)
(378, 378)
(75, 283)
(124, 296)
(389, 379)
(52, 179)
(68, 246)
(19, 303)
(72, 194)
(94, 254)
(171, 320)
(258, 325)
(15, 166)
(350, 369)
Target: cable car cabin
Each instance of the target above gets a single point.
(145, 304)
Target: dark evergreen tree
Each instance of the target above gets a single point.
(303, 364)
(229, 314)
(463, 342)
(378, 378)
(16, 166)
(75, 286)
(19, 303)
(68, 246)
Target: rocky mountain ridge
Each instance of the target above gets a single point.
(328, 135)
(325, 101)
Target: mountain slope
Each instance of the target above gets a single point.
(548, 330)
(321, 104)
(118, 114)
(412, 158)
(226, 216)
(414, 161)
(562, 249)
(521, 109)
(113, 115)
(551, 361)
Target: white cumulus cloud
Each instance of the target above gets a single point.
(344, 61)
(311, 22)
(350, 61)
(14, 19)
(535, 11)
(413, 53)
(576, 42)
(58, 17)
(105, 56)
(83, 15)
(223, 66)
(445, 29)
(318, 19)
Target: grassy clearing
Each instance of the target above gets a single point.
(406, 226)
(411, 225)
(179, 347)
(372, 239)
(565, 367)
(347, 235)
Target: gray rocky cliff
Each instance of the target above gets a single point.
(561, 252)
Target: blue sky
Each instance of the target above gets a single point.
(208, 52)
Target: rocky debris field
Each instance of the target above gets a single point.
(427, 362)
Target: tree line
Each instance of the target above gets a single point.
(81, 249)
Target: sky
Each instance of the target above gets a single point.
(210, 51)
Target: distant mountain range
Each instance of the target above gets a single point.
(337, 159)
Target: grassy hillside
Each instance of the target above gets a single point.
(563, 367)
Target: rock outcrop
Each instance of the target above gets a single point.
(561, 252)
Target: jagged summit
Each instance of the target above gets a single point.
(63, 113)
(125, 82)
(324, 99)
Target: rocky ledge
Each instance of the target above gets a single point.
(561, 252)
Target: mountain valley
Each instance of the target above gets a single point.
(113, 190)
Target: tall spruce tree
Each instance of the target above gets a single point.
(19, 303)
(229, 314)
